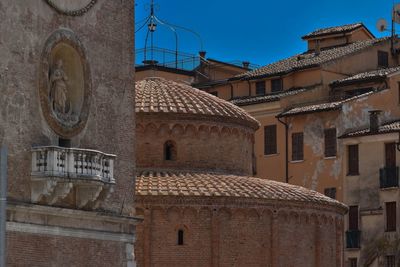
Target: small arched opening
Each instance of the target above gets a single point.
(170, 151)
(180, 237)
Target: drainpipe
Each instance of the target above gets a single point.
(286, 148)
(3, 205)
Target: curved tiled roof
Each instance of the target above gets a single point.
(389, 127)
(192, 184)
(308, 59)
(366, 76)
(333, 30)
(158, 95)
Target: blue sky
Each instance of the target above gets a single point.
(255, 30)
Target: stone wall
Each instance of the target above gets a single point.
(106, 35)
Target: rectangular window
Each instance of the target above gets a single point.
(297, 146)
(352, 161)
(390, 216)
(260, 88)
(276, 85)
(330, 142)
(214, 93)
(398, 93)
(353, 218)
(270, 140)
(383, 59)
(390, 261)
(330, 192)
(352, 262)
(390, 155)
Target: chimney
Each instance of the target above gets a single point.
(246, 64)
(374, 120)
(202, 54)
(317, 47)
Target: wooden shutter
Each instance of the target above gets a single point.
(353, 160)
(353, 218)
(297, 146)
(390, 155)
(270, 140)
(260, 88)
(276, 85)
(353, 262)
(390, 216)
(330, 142)
(383, 59)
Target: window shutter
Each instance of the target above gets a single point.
(353, 160)
(270, 140)
(330, 142)
(297, 146)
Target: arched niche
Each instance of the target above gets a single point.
(64, 83)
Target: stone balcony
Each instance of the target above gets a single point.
(71, 177)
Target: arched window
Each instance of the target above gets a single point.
(170, 151)
(180, 237)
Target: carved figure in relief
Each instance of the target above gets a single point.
(58, 88)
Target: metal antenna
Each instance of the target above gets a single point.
(152, 21)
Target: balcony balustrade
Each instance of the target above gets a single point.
(389, 177)
(71, 176)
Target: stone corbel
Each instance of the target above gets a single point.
(86, 194)
(104, 195)
(42, 188)
(60, 192)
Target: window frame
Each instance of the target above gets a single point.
(330, 192)
(260, 85)
(354, 224)
(383, 59)
(274, 87)
(391, 218)
(272, 147)
(297, 146)
(353, 160)
(330, 143)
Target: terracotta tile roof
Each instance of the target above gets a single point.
(366, 76)
(388, 127)
(158, 95)
(307, 60)
(336, 105)
(251, 100)
(192, 184)
(333, 30)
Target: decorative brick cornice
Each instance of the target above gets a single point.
(74, 13)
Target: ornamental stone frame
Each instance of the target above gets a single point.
(64, 80)
(71, 8)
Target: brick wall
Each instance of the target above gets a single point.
(200, 145)
(34, 250)
(221, 236)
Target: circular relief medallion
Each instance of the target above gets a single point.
(71, 8)
(64, 83)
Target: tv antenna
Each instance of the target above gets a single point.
(152, 22)
(382, 25)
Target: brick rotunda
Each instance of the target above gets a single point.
(200, 205)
